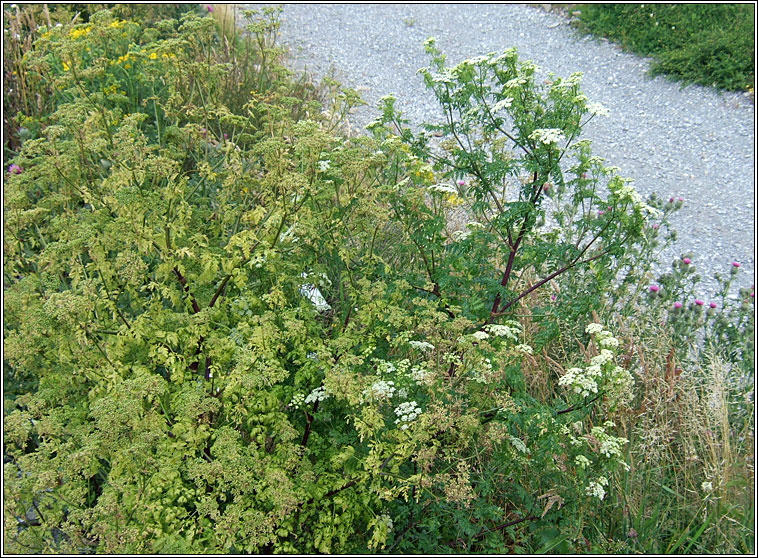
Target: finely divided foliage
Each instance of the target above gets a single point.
(244, 332)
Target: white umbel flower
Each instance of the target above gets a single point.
(407, 412)
(382, 389)
(597, 109)
(421, 345)
(502, 105)
(548, 136)
(596, 489)
(518, 444)
(318, 394)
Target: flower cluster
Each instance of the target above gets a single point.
(626, 192)
(407, 412)
(381, 389)
(518, 444)
(483, 372)
(602, 371)
(318, 394)
(571, 81)
(420, 374)
(515, 82)
(524, 348)
(384, 367)
(595, 488)
(547, 136)
(480, 335)
(583, 382)
(421, 345)
(597, 109)
(610, 446)
(443, 188)
(510, 329)
(502, 104)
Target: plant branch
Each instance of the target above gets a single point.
(558, 272)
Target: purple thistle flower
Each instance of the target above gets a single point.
(677, 305)
(654, 288)
(686, 261)
(15, 169)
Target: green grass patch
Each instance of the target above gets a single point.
(706, 44)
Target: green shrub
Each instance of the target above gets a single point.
(229, 329)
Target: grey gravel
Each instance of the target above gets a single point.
(690, 142)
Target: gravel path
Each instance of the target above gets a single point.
(692, 143)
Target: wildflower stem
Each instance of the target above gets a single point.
(575, 407)
(309, 422)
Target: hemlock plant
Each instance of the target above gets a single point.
(179, 389)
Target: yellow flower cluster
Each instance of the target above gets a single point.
(76, 33)
(126, 58)
(113, 89)
(454, 200)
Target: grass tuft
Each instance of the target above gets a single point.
(705, 44)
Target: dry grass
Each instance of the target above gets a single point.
(692, 424)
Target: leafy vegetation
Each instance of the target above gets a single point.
(707, 44)
(229, 328)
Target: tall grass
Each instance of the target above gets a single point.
(690, 485)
